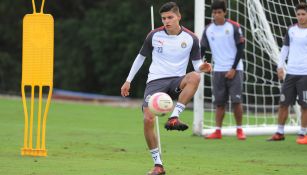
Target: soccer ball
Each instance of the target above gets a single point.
(160, 103)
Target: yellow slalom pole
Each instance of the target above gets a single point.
(42, 7)
(39, 116)
(31, 118)
(37, 71)
(26, 129)
(34, 7)
(45, 118)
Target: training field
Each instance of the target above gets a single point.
(92, 139)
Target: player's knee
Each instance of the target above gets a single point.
(283, 107)
(236, 102)
(149, 118)
(220, 106)
(149, 121)
(194, 78)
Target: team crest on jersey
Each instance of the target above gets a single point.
(227, 32)
(183, 44)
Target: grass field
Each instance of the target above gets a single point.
(91, 139)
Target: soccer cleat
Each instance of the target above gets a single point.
(174, 123)
(157, 170)
(300, 136)
(240, 134)
(301, 139)
(215, 135)
(277, 137)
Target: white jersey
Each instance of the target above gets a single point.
(170, 53)
(222, 41)
(296, 40)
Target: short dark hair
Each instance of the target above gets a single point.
(170, 6)
(301, 6)
(218, 4)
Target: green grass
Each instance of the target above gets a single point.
(251, 119)
(90, 139)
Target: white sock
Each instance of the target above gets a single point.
(239, 127)
(156, 156)
(281, 129)
(177, 110)
(302, 131)
(218, 128)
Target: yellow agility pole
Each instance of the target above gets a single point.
(37, 73)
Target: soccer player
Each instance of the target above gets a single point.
(295, 50)
(226, 42)
(171, 47)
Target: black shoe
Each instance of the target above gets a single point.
(174, 123)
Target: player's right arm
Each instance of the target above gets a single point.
(282, 57)
(137, 64)
(145, 51)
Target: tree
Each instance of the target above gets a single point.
(95, 42)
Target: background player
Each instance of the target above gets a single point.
(225, 39)
(295, 84)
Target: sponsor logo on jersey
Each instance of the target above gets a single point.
(183, 44)
(161, 42)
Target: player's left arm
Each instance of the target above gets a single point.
(200, 66)
(240, 42)
(195, 55)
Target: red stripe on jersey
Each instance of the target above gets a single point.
(156, 30)
(233, 22)
(188, 31)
